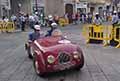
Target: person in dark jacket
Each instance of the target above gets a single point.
(53, 27)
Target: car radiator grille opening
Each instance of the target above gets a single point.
(63, 58)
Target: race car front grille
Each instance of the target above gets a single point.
(64, 57)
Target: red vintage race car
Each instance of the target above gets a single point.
(53, 54)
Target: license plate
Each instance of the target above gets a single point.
(65, 66)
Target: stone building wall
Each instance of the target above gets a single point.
(54, 7)
(25, 6)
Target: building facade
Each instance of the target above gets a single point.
(38, 6)
(20, 6)
(60, 7)
(54, 7)
(5, 7)
(9, 7)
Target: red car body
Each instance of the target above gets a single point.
(53, 54)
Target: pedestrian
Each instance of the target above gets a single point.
(31, 21)
(27, 20)
(46, 21)
(66, 18)
(78, 17)
(97, 20)
(83, 17)
(118, 17)
(13, 18)
(56, 18)
(74, 19)
(5, 19)
(23, 21)
(36, 17)
(89, 19)
(114, 18)
(70, 18)
(50, 20)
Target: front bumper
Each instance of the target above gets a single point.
(61, 67)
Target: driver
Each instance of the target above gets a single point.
(36, 34)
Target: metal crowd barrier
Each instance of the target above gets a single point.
(7, 27)
(98, 32)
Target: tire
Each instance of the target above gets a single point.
(113, 43)
(30, 54)
(26, 46)
(36, 66)
(82, 63)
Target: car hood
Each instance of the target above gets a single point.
(67, 47)
(61, 47)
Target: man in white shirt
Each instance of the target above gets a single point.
(13, 18)
(114, 18)
(97, 20)
(31, 21)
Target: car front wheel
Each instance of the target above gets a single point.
(36, 67)
(82, 63)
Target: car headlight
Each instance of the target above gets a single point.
(51, 59)
(76, 55)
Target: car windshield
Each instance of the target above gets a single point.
(49, 41)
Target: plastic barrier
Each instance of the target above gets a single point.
(117, 35)
(7, 27)
(99, 33)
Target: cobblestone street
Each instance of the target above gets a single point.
(101, 63)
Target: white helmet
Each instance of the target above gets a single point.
(37, 27)
(36, 13)
(97, 13)
(50, 16)
(54, 25)
(115, 12)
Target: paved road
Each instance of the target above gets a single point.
(101, 63)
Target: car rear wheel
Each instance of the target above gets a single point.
(30, 52)
(82, 63)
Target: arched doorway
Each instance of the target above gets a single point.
(92, 9)
(69, 11)
(68, 8)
